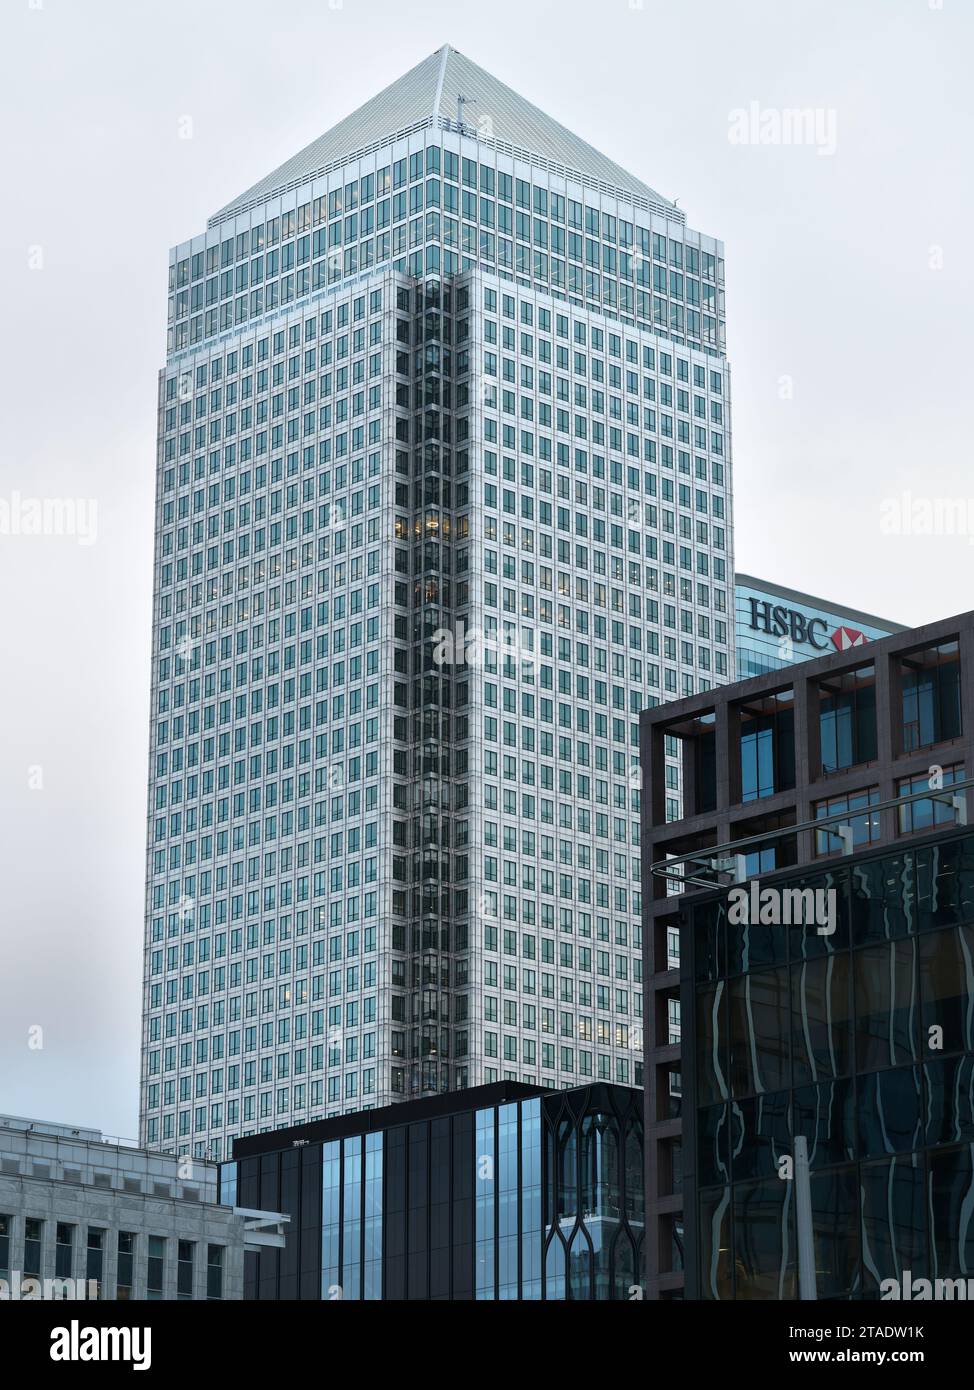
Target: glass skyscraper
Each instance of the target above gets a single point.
(443, 502)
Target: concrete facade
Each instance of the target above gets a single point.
(65, 1177)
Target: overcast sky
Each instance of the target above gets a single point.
(848, 307)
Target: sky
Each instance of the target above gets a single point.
(127, 125)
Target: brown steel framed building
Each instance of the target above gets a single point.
(810, 768)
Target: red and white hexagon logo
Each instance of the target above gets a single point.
(845, 637)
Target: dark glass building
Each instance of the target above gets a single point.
(863, 1042)
(504, 1191)
(844, 1016)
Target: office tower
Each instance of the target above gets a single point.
(497, 1192)
(776, 627)
(443, 503)
(843, 1018)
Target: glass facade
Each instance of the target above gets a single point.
(500, 1195)
(443, 502)
(594, 1215)
(777, 627)
(847, 720)
(440, 201)
(863, 1042)
(931, 696)
(767, 747)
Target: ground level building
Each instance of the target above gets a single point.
(504, 1191)
(82, 1217)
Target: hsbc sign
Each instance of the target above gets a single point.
(777, 621)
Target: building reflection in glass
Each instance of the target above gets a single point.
(594, 1216)
(864, 1044)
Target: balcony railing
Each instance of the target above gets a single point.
(729, 859)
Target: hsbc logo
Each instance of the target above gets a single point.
(845, 637)
(777, 621)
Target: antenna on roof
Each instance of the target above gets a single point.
(463, 101)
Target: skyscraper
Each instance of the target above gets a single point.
(443, 502)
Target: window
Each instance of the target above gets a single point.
(931, 696)
(767, 747)
(214, 1271)
(184, 1269)
(126, 1261)
(64, 1250)
(155, 1267)
(94, 1266)
(847, 720)
(937, 809)
(672, 948)
(228, 1186)
(33, 1236)
(673, 1020)
(864, 827)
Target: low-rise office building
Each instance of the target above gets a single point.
(839, 1022)
(82, 1216)
(504, 1191)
